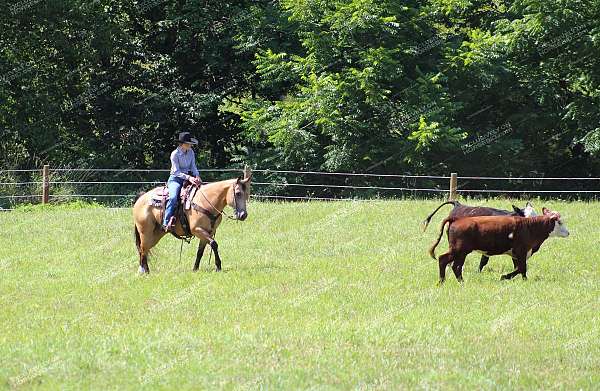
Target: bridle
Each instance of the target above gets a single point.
(222, 212)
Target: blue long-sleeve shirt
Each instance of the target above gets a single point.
(182, 163)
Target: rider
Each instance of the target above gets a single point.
(183, 163)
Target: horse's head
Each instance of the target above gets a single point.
(237, 197)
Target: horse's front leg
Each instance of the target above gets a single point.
(215, 248)
(199, 254)
(201, 233)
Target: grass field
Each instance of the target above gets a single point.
(313, 296)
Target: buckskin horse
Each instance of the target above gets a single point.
(200, 217)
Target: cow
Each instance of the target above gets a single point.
(516, 236)
(461, 210)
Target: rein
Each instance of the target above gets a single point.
(221, 212)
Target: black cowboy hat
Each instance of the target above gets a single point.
(186, 138)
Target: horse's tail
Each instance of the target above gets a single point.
(138, 240)
(136, 233)
(425, 222)
(432, 249)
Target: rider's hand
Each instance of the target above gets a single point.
(196, 181)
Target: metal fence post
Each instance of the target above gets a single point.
(453, 186)
(45, 184)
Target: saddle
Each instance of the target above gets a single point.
(159, 197)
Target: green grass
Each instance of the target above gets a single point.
(313, 295)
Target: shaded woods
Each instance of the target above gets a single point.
(422, 87)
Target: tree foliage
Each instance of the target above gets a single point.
(341, 85)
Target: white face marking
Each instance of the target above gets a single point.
(560, 229)
(511, 235)
(529, 211)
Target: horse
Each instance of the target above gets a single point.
(204, 216)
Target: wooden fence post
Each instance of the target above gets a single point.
(453, 185)
(247, 173)
(45, 184)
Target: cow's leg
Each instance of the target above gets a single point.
(520, 267)
(215, 247)
(484, 261)
(444, 260)
(199, 254)
(457, 266)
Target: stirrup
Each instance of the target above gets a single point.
(170, 225)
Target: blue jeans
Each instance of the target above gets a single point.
(174, 184)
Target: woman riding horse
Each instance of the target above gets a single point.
(204, 212)
(183, 163)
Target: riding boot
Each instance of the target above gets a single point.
(171, 226)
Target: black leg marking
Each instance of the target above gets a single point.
(215, 248)
(199, 254)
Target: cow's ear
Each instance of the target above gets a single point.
(518, 211)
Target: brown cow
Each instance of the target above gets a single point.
(461, 210)
(517, 237)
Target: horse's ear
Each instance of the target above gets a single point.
(247, 179)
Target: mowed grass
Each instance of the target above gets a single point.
(313, 295)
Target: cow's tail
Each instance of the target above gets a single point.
(426, 222)
(434, 245)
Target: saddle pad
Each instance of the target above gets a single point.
(156, 195)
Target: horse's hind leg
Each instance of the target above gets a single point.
(149, 236)
(199, 254)
(144, 268)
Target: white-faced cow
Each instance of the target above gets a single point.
(461, 210)
(517, 237)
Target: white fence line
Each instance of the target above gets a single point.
(452, 190)
(350, 174)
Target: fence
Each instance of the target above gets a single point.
(48, 185)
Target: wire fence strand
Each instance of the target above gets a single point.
(374, 186)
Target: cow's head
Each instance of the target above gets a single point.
(527, 211)
(560, 229)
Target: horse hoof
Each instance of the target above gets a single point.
(142, 271)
